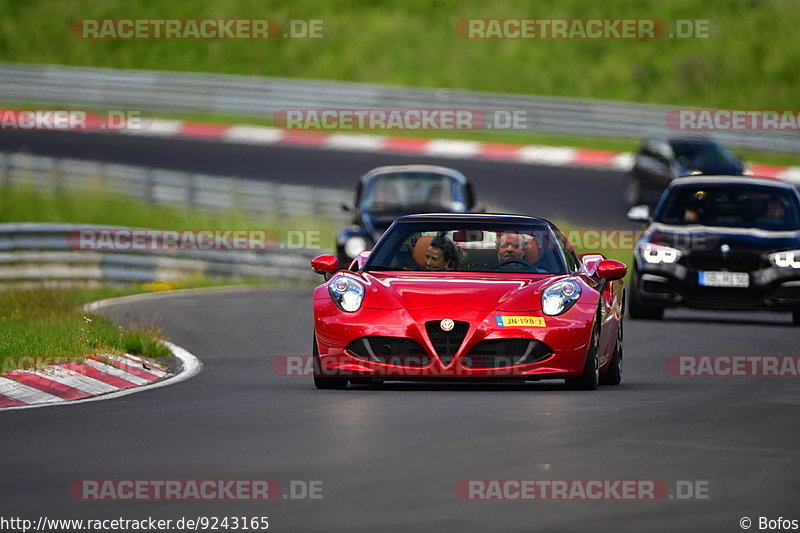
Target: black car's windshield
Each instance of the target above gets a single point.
(741, 206)
(469, 247)
(692, 154)
(403, 190)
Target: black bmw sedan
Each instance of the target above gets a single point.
(718, 242)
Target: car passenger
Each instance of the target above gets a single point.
(442, 254)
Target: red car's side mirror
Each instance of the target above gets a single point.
(610, 269)
(325, 265)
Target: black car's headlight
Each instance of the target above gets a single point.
(560, 296)
(658, 253)
(354, 246)
(346, 293)
(787, 259)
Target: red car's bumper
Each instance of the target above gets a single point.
(562, 343)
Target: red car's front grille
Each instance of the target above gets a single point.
(398, 351)
(497, 353)
(446, 343)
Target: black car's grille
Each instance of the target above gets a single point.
(714, 260)
(398, 351)
(722, 296)
(496, 353)
(446, 343)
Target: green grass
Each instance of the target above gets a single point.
(39, 326)
(750, 60)
(96, 206)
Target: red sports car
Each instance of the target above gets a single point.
(469, 296)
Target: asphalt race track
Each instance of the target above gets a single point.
(389, 457)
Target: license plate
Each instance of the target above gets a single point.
(532, 321)
(725, 279)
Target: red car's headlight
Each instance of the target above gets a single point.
(346, 293)
(559, 297)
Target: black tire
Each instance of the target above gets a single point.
(636, 311)
(590, 377)
(796, 318)
(633, 191)
(322, 382)
(613, 375)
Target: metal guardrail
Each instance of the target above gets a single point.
(33, 252)
(262, 96)
(196, 191)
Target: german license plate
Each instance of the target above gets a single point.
(724, 279)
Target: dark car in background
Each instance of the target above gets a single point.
(386, 193)
(718, 242)
(659, 161)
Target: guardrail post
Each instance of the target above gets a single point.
(58, 176)
(191, 192)
(149, 193)
(5, 178)
(104, 176)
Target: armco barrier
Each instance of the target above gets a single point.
(32, 252)
(197, 191)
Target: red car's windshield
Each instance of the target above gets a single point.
(470, 248)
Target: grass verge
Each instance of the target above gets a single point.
(748, 60)
(40, 326)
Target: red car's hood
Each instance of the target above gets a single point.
(420, 290)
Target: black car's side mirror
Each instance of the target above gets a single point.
(639, 213)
